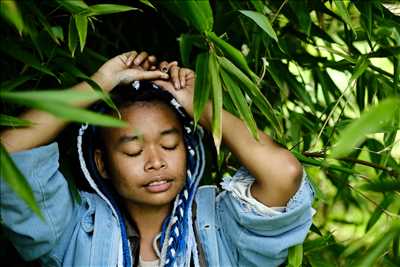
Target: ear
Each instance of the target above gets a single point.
(98, 158)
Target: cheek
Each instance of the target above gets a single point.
(122, 167)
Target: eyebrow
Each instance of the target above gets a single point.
(129, 138)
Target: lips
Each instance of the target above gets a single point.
(159, 185)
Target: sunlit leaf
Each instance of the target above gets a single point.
(17, 182)
(10, 11)
(103, 9)
(295, 256)
(216, 88)
(231, 52)
(58, 103)
(378, 247)
(370, 121)
(73, 37)
(74, 6)
(81, 23)
(387, 200)
(259, 99)
(240, 103)
(262, 21)
(202, 87)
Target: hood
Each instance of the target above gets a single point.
(177, 237)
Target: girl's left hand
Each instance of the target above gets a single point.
(181, 84)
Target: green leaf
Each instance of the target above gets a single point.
(343, 12)
(239, 100)
(17, 182)
(360, 67)
(302, 12)
(387, 200)
(103, 9)
(186, 42)
(147, 3)
(58, 103)
(378, 248)
(213, 70)
(61, 96)
(370, 121)
(295, 256)
(229, 51)
(259, 99)
(81, 23)
(202, 86)
(74, 6)
(10, 11)
(25, 57)
(262, 21)
(10, 121)
(382, 186)
(12, 84)
(196, 13)
(73, 38)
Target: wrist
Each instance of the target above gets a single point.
(106, 82)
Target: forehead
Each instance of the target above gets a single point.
(145, 118)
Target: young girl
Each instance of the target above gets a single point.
(146, 208)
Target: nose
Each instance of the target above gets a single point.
(154, 160)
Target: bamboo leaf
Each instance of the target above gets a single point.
(259, 99)
(295, 256)
(73, 37)
(57, 103)
(382, 186)
(378, 247)
(239, 101)
(229, 51)
(202, 87)
(12, 84)
(213, 70)
(103, 9)
(25, 57)
(74, 6)
(343, 12)
(262, 21)
(369, 122)
(387, 200)
(10, 121)
(10, 11)
(62, 96)
(17, 182)
(81, 23)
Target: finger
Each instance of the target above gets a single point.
(174, 72)
(151, 75)
(166, 85)
(129, 57)
(164, 66)
(131, 75)
(146, 65)
(182, 76)
(152, 59)
(140, 58)
(153, 67)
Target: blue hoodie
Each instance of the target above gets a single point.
(233, 228)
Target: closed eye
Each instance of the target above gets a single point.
(170, 147)
(134, 154)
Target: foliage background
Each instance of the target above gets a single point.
(321, 77)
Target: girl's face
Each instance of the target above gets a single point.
(146, 161)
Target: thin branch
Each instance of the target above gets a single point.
(390, 171)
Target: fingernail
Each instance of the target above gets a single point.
(136, 62)
(177, 86)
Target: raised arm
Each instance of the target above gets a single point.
(278, 173)
(123, 68)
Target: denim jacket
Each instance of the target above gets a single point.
(232, 230)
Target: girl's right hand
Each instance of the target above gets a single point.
(126, 68)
